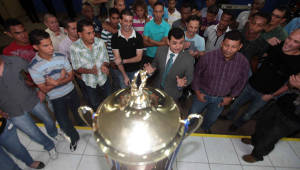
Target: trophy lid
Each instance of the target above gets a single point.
(138, 125)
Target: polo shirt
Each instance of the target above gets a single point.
(197, 43)
(15, 96)
(106, 37)
(40, 68)
(213, 41)
(128, 48)
(157, 33)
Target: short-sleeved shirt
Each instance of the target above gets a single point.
(64, 47)
(197, 43)
(213, 41)
(56, 39)
(15, 96)
(83, 57)
(13, 49)
(128, 48)
(242, 19)
(277, 32)
(173, 17)
(138, 25)
(157, 33)
(40, 68)
(150, 12)
(106, 37)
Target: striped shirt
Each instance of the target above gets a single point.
(218, 77)
(139, 25)
(40, 68)
(83, 57)
(106, 37)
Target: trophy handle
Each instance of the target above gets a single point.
(190, 118)
(84, 110)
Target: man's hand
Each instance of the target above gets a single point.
(200, 96)
(186, 45)
(51, 81)
(226, 101)
(104, 69)
(267, 97)
(3, 114)
(181, 82)
(94, 70)
(126, 80)
(63, 74)
(41, 95)
(273, 41)
(295, 81)
(149, 69)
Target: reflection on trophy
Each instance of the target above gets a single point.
(139, 128)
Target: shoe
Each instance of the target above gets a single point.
(53, 154)
(233, 128)
(40, 165)
(249, 158)
(246, 141)
(59, 137)
(223, 117)
(73, 146)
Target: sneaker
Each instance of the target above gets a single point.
(53, 154)
(59, 137)
(73, 146)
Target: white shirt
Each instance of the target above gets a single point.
(56, 39)
(173, 17)
(168, 56)
(242, 19)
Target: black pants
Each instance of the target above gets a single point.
(270, 128)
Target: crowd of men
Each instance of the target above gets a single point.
(223, 60)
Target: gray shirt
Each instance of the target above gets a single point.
(16, 97)
(213, 41)
(179, 24)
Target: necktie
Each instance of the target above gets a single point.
(167, 69)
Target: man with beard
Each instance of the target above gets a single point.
(219, 77)
(127, 46)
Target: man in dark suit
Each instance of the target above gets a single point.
(172, 66)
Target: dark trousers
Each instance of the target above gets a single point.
(98, 94)
(61, 106)
(270, 128)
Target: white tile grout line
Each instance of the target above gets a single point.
(83, 152)
(206, 153)
(293, 150)
(235, 151)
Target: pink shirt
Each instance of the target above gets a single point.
(139, 25)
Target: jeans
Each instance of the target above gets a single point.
(61, 106)
(248, 94)
(98, 94)
(213, 109)
(114, 79)
(10, 141)
(27, 125)
(121, 78)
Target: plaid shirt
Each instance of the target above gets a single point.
(83, 57)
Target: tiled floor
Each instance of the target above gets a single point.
(198, 152)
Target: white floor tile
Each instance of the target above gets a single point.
(92, 148)
(257, 168)
(243, 149)
(64, 146)
(93, 163)
(220, 150)
(64, 162)
(25, 140)
(192, 150)
(284, 156)
(296, 147)
(192, 166)
(225, 167)
(286, 168)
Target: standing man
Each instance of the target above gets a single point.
(151, 7)
(89, 58)
(56, 33)
(173, 66)
(155, 32)
(186, 12)
(173, 14)
(270, 79)
(219, 77)
(88, 13)
(210, 3)
(53, 74)
(214, 34)
(127, 47)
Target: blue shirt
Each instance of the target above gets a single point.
(150, 12)
(197, 43)
(40, 68)
(155, 32)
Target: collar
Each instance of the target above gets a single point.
(215, 27)
(169, 52)
(133, 34)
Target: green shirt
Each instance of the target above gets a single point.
(277, 32)
(83, 57)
